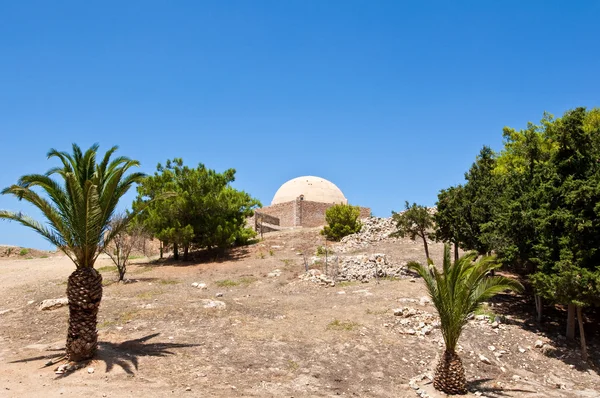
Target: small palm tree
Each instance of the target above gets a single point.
(77, 211)
(456, 293)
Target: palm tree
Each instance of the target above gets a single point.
(456, 293)
(78, 207)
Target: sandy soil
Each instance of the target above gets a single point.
(277, 337)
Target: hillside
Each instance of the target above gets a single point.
(252, 325)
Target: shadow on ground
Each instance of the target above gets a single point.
(125, 355)
(521, 309)
(483, 386)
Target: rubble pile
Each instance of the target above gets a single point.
(365, 267)
(374, 229)
(358, 268)
(415, 322)
(316, 276)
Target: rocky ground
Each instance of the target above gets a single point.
(255, 325)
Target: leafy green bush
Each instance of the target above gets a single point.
(342, 220)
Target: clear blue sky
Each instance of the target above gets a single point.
(390, 100)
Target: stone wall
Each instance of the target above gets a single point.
(285, 212)
(311, 214)
(301, 213)
(266, 218)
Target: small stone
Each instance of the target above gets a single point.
(398, 312)
(522, 350)
(341, 292)
(539, 344)
(5, 311)
(195, 284)
(411, 332)
(495, 325)
(503, 369)
(484, 359)
(90, 370)
(52, 304)
(188, 389)
(202, 286)
(219, 305)
(516, 377)
(30, 302)
(491, 348)
(219, 295)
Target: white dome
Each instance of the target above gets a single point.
(314, 189)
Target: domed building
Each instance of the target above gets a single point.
(301, 202)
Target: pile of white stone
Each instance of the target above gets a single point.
(316, 276)
(357, 268)
(366, 267)
(415, 322)
(374, 229)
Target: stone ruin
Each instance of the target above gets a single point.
(374, 229)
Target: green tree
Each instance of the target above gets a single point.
(78, 207)
(415, 220)
(480, 199)
(456, 293)
(450, 217)
(342, 220)
(568, 252)
(205, 212)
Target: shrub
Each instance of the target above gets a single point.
(342, 220)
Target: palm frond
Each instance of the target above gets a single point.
(80, 201)
(458, 289)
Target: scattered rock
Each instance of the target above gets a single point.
(274, 274)
(495, 325)
(188, 389)
(539, 344)
(90, 370)
(195, 284)
(522, 350)
(6, 311)
(52, 304)
(398, 312)
(484, 359)
(219, 295)
(219, 305)
(202, 286)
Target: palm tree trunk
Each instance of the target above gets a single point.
(84, 291)
(450, 374)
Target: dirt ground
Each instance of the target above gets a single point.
(278, 336)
